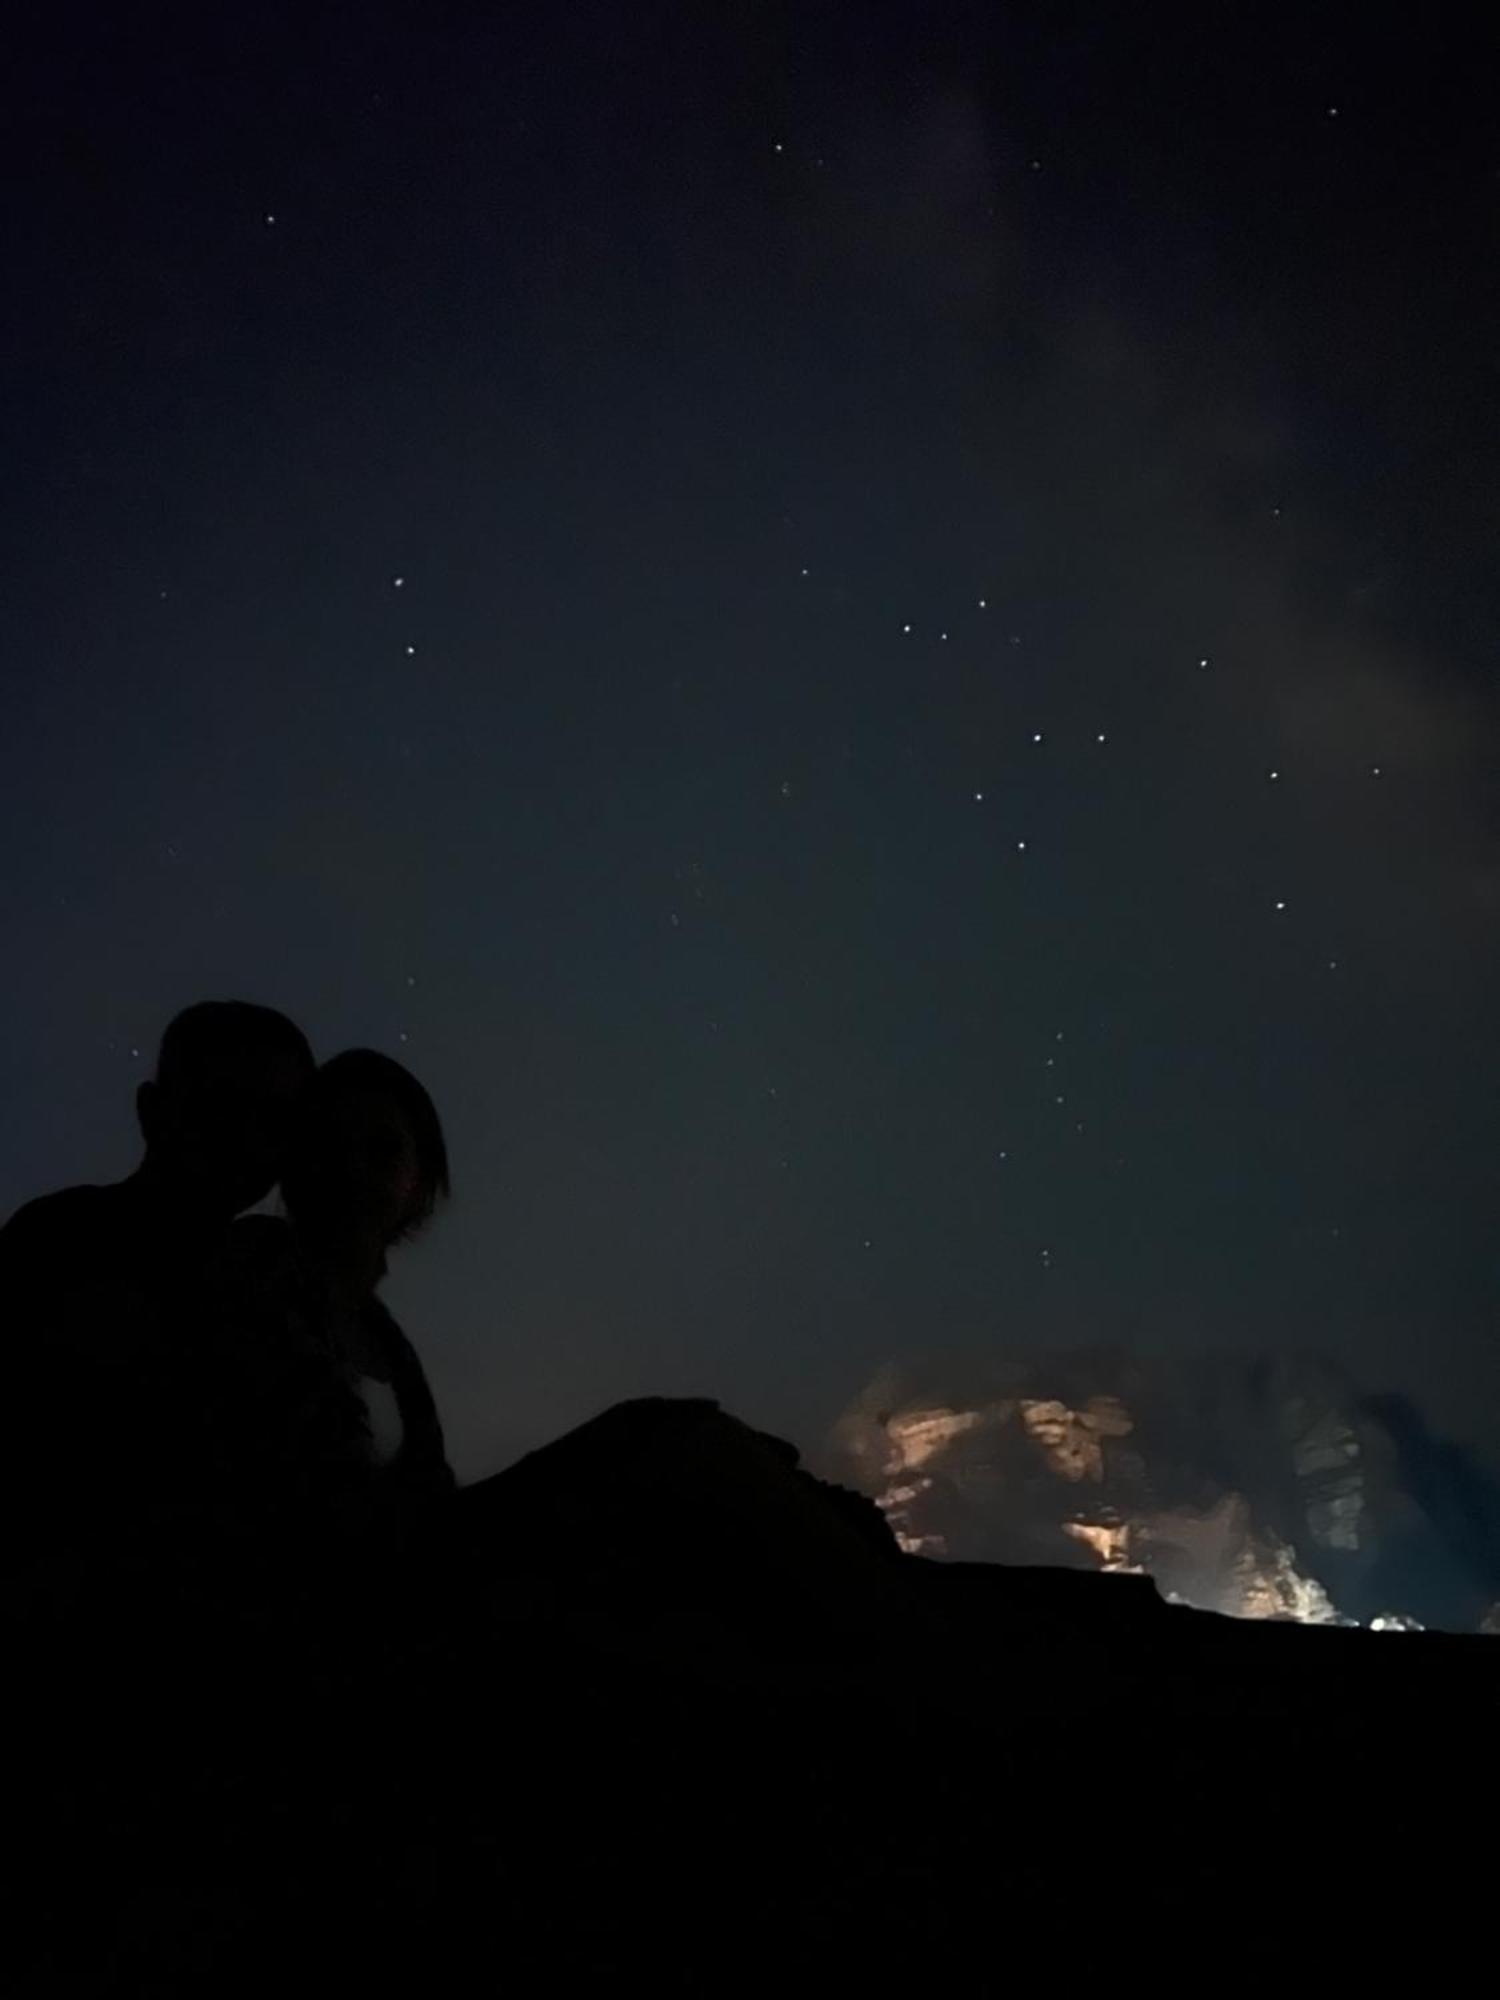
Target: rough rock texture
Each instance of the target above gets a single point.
(1261, 1488)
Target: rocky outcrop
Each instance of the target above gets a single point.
(1267, 1489)
(470, 1775)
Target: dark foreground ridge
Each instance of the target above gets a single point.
(621, 1754)
(653, 1709)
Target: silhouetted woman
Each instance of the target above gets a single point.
(336, 1442)
(367, 1174)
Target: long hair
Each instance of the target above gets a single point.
(367, 1069)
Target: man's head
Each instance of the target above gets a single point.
(218, 1114)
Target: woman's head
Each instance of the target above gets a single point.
(370, 1160)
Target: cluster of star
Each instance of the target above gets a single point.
(1039, 739)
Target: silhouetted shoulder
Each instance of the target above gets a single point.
(59, 1257)
(87, 1310)
(54, 1224)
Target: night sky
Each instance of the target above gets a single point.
(868, 634)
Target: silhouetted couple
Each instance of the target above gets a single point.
(240, 1563)
(177, 1377)
(227, 1403)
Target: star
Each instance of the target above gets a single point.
(1281, 906)
(1101, 737)
(1036, 736)
(1020, 847)
(398, 583)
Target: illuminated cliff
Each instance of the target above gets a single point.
(1261, 1489)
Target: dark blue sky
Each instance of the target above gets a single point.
(547, 547)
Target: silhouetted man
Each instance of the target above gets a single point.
(113, 1379)
(99, 1309)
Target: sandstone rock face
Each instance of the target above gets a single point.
(1266, 1489)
